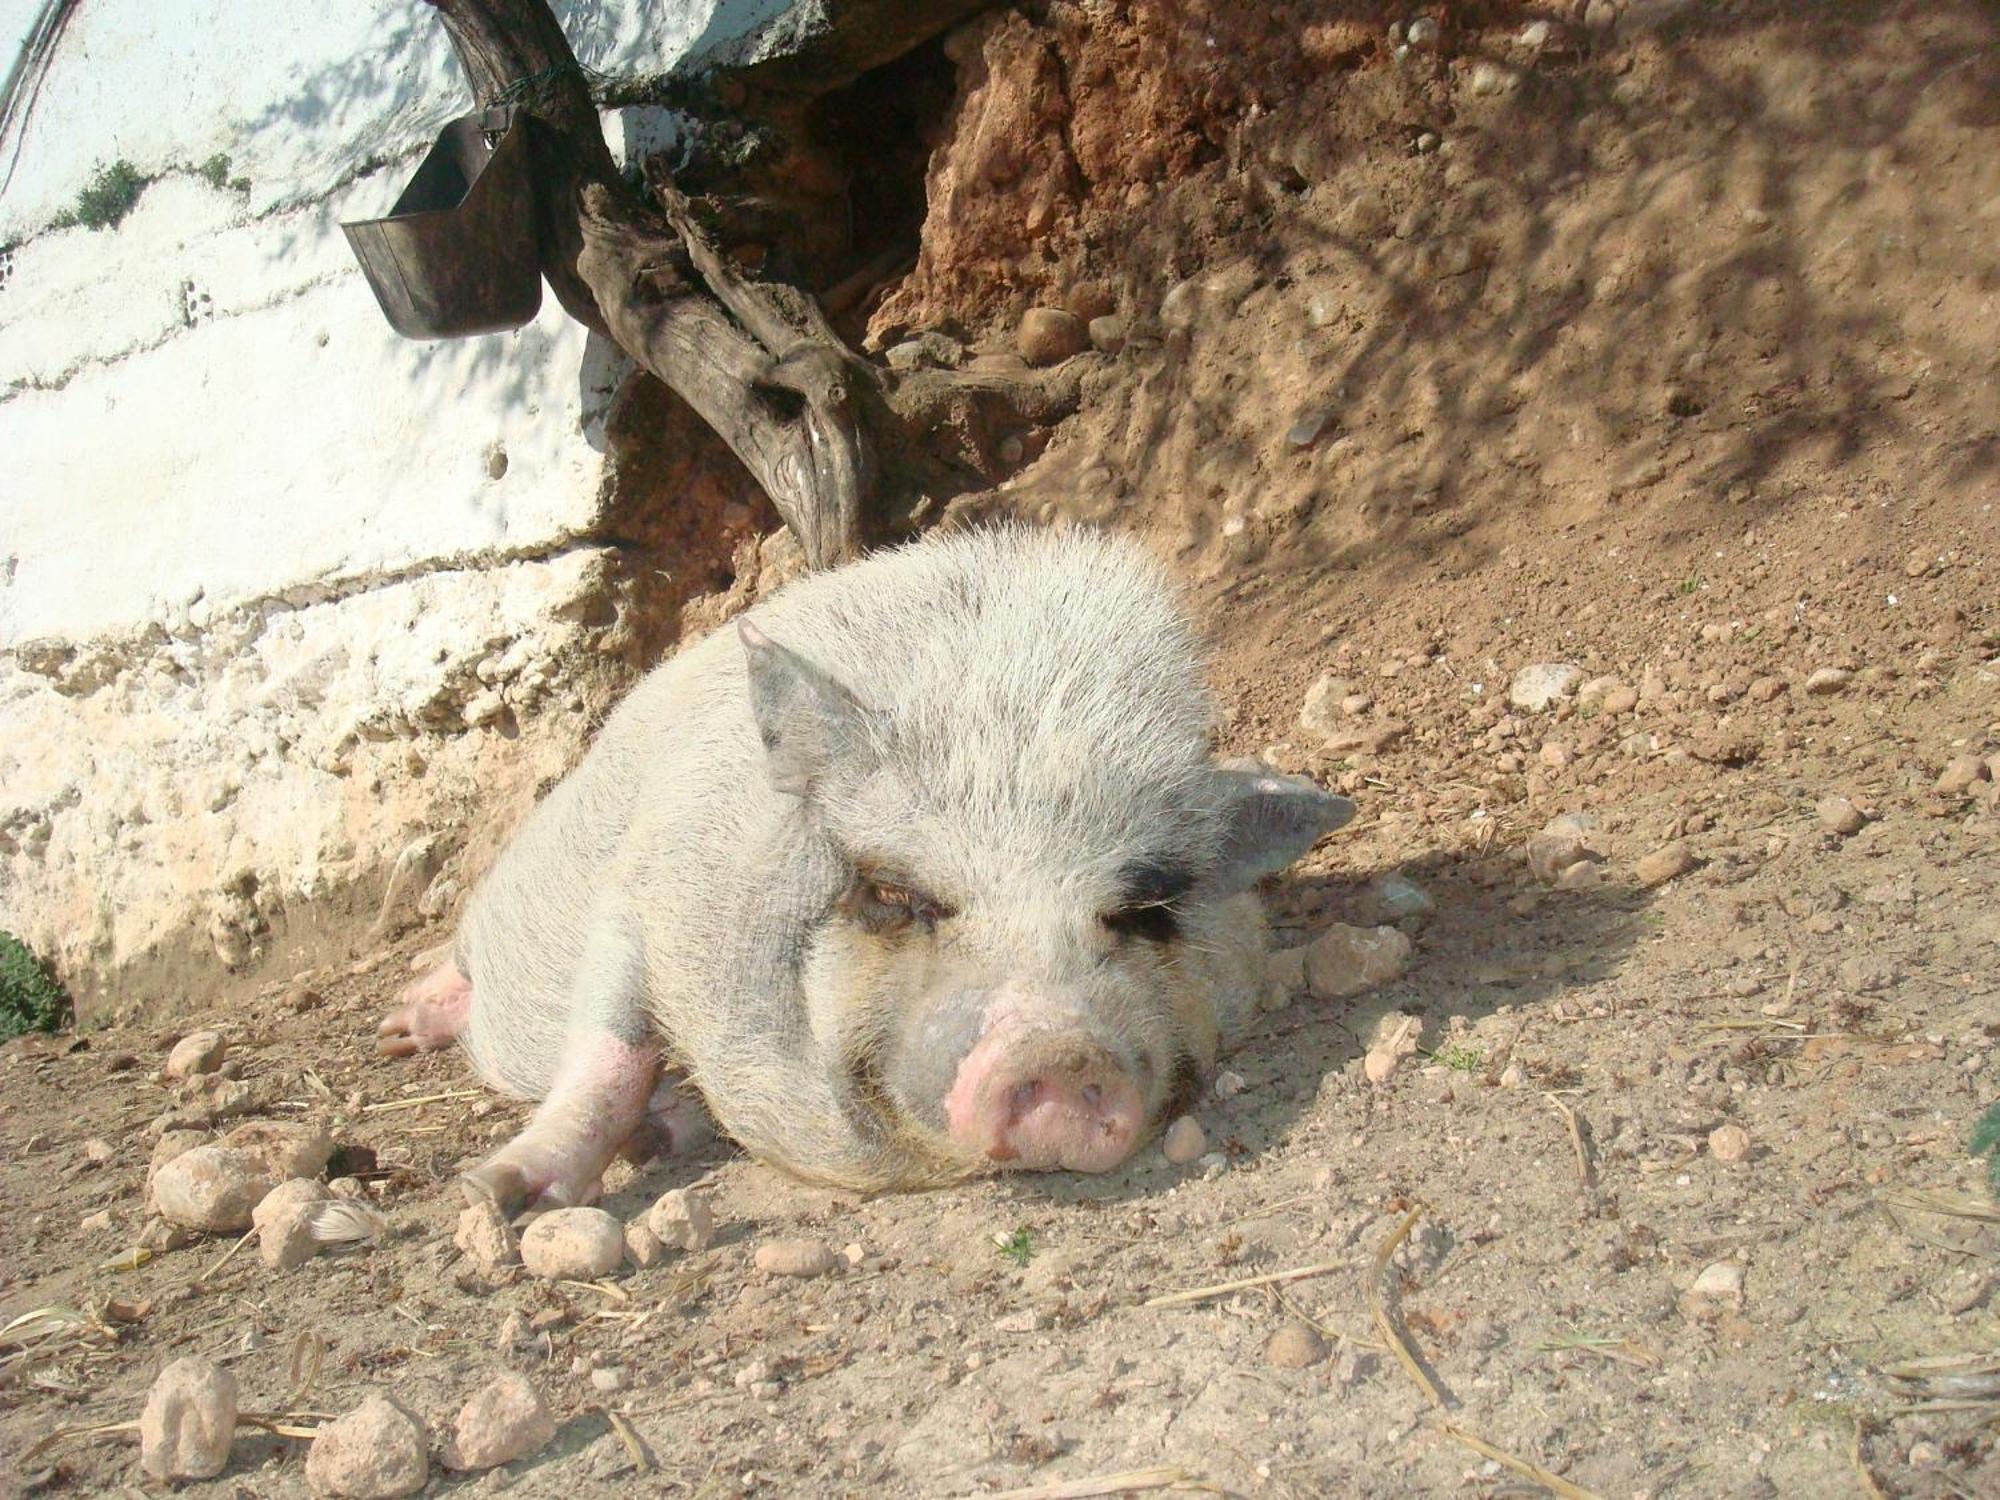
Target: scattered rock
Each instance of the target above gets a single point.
(486, 1238)
(1665, 864)
(197, 1052)
(286, 1150)
(1422, 34)
(1345, 961)
(1722, 1281)
(1373, 738)
(1356, 704)
(1294, 1347)
(1729, 1144)
(1765, 689)
(1108, 333)
(1396, 898)
(1185, 1141)
(378, 1451)
(1228, 1084)
(188, 1422)
(643, 1247)
(213, 1188)
(1828, 680)
(608, 1379)
(1562, 844)
(795, 1257)
(1839, 815)
(99, 1153)
(1543, 685)
(1584, 875)
(682, 1220)
(1318, 714)
(283, 1220)
(505, 1420)
(1380, 1065)
(1305, 431)
(1537, 35)
(1960, 775)
(1490, 78)
(573, 1244)
(1049, 335)
(1513, 1076)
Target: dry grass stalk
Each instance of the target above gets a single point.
(1555, 1484)
(1584, 1170)
(642, 1460)
(1223, 1288)
(228, 1255)
(1379, 1306)
(388, 1104)
(1949, 1205)
(1100, 1484)
(1868, 1485)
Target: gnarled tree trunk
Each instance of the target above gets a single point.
(835, 441)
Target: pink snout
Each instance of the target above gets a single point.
(1045, 1101)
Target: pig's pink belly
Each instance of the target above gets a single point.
(1044, 1101)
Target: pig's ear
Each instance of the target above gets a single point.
(806, 719)
(1269, 821)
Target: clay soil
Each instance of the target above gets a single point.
(1669, 352)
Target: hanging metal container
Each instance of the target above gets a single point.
(457, 255)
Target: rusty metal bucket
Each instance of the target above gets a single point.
(456, 255)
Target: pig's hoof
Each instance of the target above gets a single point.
(434, 1013)
(510, 1189)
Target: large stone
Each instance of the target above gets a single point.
(506, 1419)
(573, 1244)
(188, 1421)
(287, 1150)
(213, 1188)
(197, 1052)
(1344, 961)
(378, 1451)
(1049, 335)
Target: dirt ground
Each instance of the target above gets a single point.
(1671, 355)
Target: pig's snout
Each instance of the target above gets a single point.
(1045, 1102)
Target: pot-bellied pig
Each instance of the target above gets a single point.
(924, 869)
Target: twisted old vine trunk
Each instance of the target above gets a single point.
(843, 448)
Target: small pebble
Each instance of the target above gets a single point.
(1960, 775)
(1724, 1279)
(682, 1220)
(378, 1451)
(505, 1420)
(212, 1188)
(1185, 1141)
(1344, 961)
(283, 1220)
(1379, 1066)
(1543, 685)
(1665, 864)
(1422, 33)
(1513, 1076)
(99, 1153)
(1839, 815)
(795, 1257)
(197, 1052)
(1925, 1455)
(573, 1244)
(486, 1238)
(188, 1422)
(608, 1379)
(643, 1247)
(1729, 1143)
(1228, 1085)
(1049, 335)
(1764, 689)
(1828, 680)
(1294, 1347)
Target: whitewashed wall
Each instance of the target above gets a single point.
(273, 582)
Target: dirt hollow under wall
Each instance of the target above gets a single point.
(1663, 348)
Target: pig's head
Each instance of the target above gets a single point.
(1041, 867)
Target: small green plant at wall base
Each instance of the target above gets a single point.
(106, 198)
(1019, 1247)
(30, 998)
(215, 172)
(1986, 1143)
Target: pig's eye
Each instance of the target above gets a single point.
(884, 906)
(1154, 921)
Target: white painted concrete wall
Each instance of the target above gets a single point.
(275, 584)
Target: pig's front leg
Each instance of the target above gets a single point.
(598, 1098)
